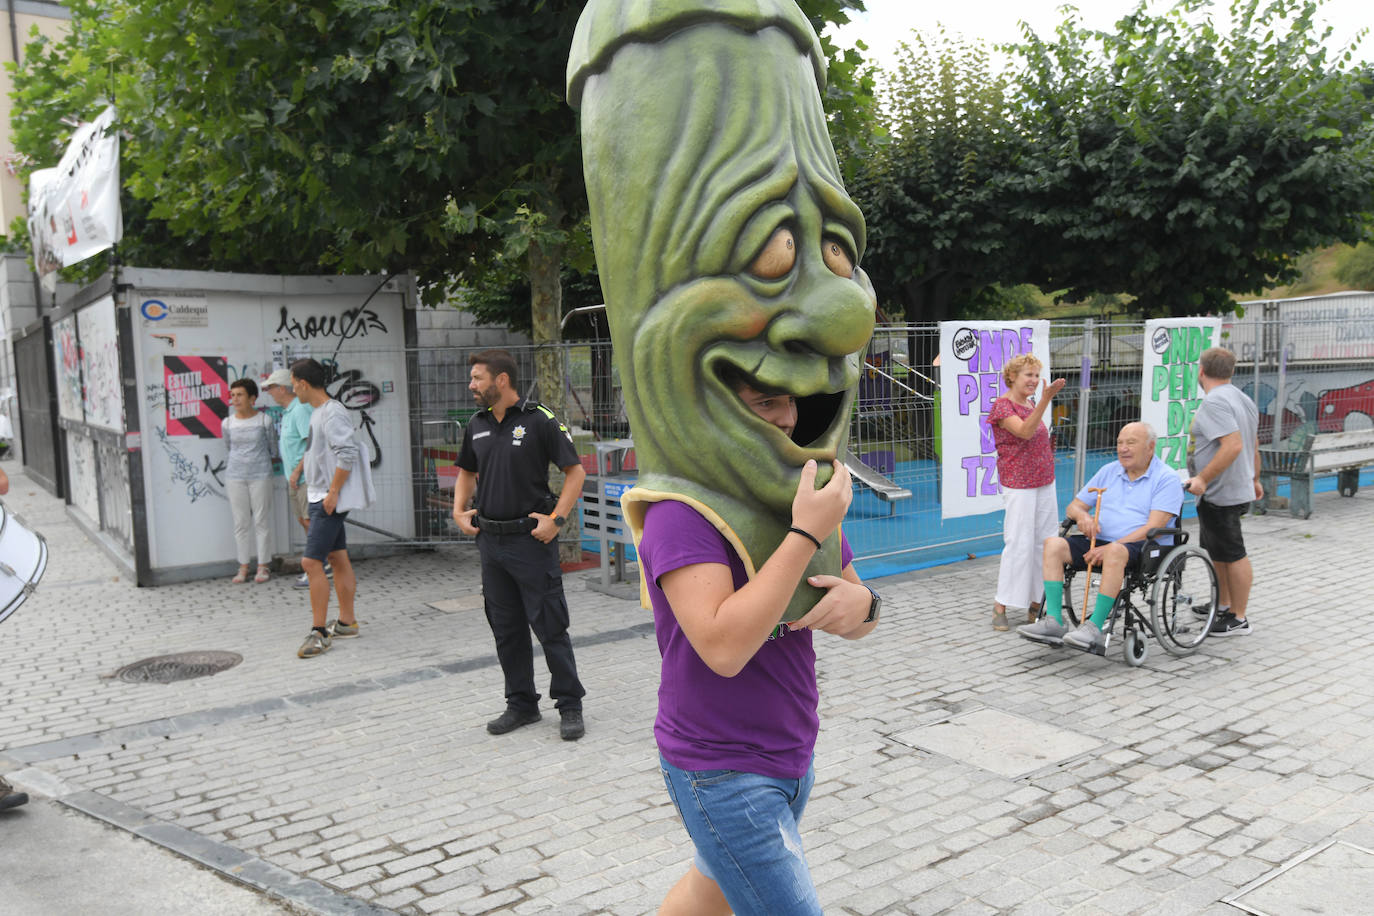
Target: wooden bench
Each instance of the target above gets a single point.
(1306, 457)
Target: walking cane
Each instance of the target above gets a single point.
(1092, 542)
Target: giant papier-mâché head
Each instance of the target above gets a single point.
(727, 248)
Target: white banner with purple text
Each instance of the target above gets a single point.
(972, 354)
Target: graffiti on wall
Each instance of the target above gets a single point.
(103, 395)
(349, 388)
(85, 488)
(199, 484)
(68, 355)
(1314, 402)
(347, 325)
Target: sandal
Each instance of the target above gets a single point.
(242, 577)
(263, 575)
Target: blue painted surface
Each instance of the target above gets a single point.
(918, 531)
(915, 537)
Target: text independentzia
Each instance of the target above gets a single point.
(983, 384)
(1175, 379)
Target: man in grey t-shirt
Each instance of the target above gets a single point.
(1224, 463)
(331, 457)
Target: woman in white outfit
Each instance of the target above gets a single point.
(251, 442)
(1025, 469)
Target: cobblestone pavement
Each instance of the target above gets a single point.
(364, 780)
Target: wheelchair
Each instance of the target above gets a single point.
(1175, 582)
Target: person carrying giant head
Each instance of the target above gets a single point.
(727, 248)
(728, 252)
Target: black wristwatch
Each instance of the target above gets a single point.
(873, 608)
(559, 520)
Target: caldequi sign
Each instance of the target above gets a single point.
(175, 311)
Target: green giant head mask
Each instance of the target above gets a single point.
(727, 249)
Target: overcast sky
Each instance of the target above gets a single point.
(889, 22)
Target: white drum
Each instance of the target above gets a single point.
(23, 558)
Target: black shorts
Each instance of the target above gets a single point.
(1078, 546)
(326, 533)
(1219, 531)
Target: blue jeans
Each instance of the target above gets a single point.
(745, 829)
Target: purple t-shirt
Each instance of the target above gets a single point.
(763, 720)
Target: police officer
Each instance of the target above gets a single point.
(505, 459)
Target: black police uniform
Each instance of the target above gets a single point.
(522, 582)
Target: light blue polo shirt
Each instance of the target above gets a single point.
(1127, 504)
(295, 429)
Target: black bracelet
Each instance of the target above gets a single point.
(806, 534)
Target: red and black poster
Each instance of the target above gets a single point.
(197, 395)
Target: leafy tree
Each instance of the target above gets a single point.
(358, 136)
(935, 194)
(1175, 163)
(1164, 160)
(495, 292)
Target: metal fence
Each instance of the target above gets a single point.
(1315, 373)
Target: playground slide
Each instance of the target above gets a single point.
(883, 488)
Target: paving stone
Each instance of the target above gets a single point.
(1178, 806)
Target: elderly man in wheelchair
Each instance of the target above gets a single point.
(1116, 512)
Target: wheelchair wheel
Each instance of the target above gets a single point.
(1134, 648)
(1183, 599)
(1071, 618)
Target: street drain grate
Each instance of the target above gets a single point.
(182, 666)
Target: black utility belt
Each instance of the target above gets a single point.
(512, 526)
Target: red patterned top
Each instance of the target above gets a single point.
(1022, 464)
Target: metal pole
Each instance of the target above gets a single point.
(1080, 458)
(1256, 337)
(1276, 430)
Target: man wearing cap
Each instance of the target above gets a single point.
(295, 429)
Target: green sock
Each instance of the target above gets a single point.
(1104, 607)
(1054, 600)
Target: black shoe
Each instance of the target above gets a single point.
(512, 719)
(10, 798)
(1229, 624)
(571, 728)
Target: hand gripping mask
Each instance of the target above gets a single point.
(728, 252)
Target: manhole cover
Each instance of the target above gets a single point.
(163, 669)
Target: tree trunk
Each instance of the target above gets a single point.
(546, 312)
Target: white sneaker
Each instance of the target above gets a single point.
(302, 581)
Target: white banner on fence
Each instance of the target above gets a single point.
(971, 357)
(74, 209)
(1169, 390)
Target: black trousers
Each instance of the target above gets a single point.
(522, 590)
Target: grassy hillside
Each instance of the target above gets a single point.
(1318, 278)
